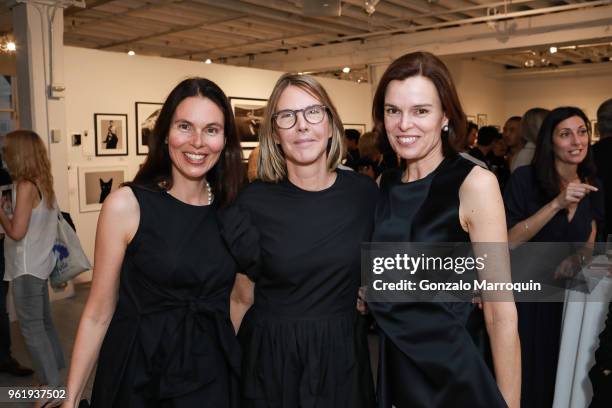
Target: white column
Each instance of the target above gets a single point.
(39, 35)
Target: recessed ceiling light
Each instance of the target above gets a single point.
(11, 46)
(346, 70)
(553, 50)
(208, 61)
(131, 53)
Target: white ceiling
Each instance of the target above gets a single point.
(276, 34)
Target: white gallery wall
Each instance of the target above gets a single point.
(586, 91)
(107, 82)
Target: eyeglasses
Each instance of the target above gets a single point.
(287, 118)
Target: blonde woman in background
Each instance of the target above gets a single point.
(530, 126)
(30, 236)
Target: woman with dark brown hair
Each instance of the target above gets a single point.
(157, 317)
(427, 357)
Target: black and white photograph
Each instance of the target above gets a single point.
(111, 134)
(96, 183)
(146, 116)
(249, 114)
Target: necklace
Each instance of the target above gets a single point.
(210, 194)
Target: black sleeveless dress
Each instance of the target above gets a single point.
(170, 342)
(427, 357)
(304, 344)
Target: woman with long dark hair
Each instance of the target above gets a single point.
(157, 317)
(427, 357)
(555, 199)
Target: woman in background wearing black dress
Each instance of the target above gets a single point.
(304, 345)
(427, 357)
(555, 199)
(157, 317)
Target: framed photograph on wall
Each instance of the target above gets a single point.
(357, 126)
(96, 183)
(481, 120)
(111, 134)
(249, 114)
(146, 116)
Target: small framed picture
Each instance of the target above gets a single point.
(249, 113)
(357, 126)
(481, 120)
(76, 139)
(146, 116)
(96, 183)
(471, 118)
(111, 134)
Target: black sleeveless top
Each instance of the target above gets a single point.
(425, 346)
(170, 335)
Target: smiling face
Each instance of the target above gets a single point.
(414, 118)
(570, 141)
(196, 138)
(304, 144)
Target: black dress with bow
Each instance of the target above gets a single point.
(170, 342)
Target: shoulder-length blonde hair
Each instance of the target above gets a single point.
(26, 157)
(272, 166)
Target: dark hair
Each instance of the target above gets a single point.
(514, 119)
(487, 135)
(544, 156)
(471, 125)
(604, 119)
(429, 66)
(352, 134)
(226, 176)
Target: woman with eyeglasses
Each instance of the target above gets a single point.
(157, 317)
(297, 233)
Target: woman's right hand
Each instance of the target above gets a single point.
(572, 194)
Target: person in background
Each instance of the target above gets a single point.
(487, 135)
(555, 199)
(601, 373)
(530, 126)
(512, 137)
(252, 164)
(30, 236)
(497, 161)
(472, 134)
(351, 139)
(602, 154)
(7, 363)
(370, 162)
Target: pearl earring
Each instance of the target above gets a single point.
(166, 140)
(445, 128)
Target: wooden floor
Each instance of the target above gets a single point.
(66, 315)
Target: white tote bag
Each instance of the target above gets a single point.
(70, 259)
